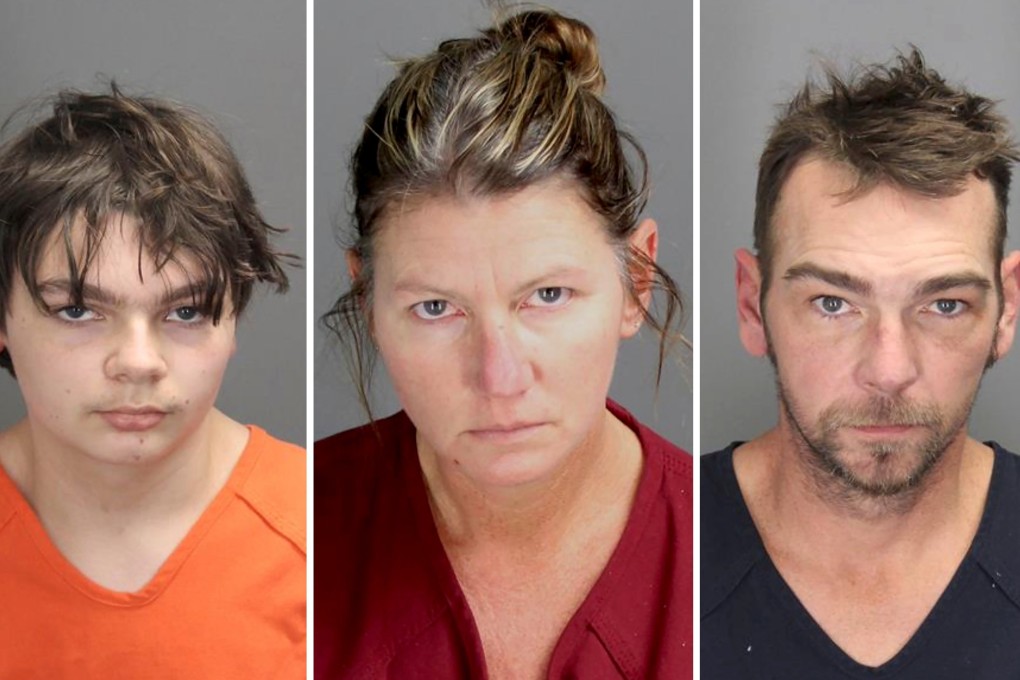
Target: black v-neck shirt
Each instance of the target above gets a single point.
(753, 626)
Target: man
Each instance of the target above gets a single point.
(867, 530)
(143, 533)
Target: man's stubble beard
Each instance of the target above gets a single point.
(833, 478)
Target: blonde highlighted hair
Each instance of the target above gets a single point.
(515, 105)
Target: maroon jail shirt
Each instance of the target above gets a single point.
(388, 605)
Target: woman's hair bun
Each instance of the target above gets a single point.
(566, 41)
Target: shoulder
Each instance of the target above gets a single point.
(730, 545)
(677, 463)
(718, 481)
(1007, 464)
(275, 486)
(998, 536)
(360, 455)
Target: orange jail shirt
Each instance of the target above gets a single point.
(228, 603)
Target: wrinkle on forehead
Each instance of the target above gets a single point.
(884, 232)
(490, 242)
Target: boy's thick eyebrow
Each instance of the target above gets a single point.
(94, 293)
(839, 279)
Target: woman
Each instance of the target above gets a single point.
(509, 522)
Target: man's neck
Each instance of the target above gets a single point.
(868, 575)
(792, 508)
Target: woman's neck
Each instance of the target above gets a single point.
(600, 474)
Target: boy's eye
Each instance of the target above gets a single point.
(185, 314)
(75, 313)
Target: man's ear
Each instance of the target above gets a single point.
(1010, 277)
(749, 313)
(645, 243)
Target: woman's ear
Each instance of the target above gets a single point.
(644, 247)
(353, 264)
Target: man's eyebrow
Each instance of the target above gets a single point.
(939, 284)
(833, 277)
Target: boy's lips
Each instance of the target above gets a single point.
(133, 418)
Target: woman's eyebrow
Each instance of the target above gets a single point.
(562, 271)
(413, 284)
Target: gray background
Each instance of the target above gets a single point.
(243, 63)
(646, 53)
(755, 55)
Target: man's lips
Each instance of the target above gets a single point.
(884, 430)
(133, 418)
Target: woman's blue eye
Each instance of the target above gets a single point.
(550, 295)
(432, 309)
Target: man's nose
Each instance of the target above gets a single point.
(890, 361)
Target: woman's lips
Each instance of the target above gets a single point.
(506, 433)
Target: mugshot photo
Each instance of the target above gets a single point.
(504, 234)
(858, 389)
(152, 334)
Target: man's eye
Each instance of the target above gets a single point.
(830, 305)
(433, 309)
(947, 307)
(186, 314)
(75, 313)
(550, 296)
